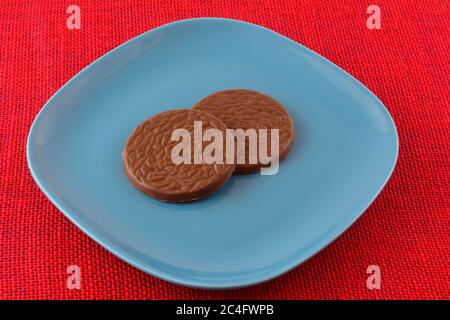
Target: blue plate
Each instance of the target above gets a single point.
(256, 227)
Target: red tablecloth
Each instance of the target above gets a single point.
(406, 64)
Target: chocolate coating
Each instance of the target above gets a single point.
(149, 166)
(245, 109)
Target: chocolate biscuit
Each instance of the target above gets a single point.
(245, 109)
(149, 164)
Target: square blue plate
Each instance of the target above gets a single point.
(256, 227)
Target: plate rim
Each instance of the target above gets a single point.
(131, 259)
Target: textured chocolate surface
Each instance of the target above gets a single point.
(149, 166)
(245, 109)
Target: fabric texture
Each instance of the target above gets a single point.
(405, 63)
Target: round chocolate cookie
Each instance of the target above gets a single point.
(247, 109)
(159, 165)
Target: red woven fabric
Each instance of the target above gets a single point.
(405, 231)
